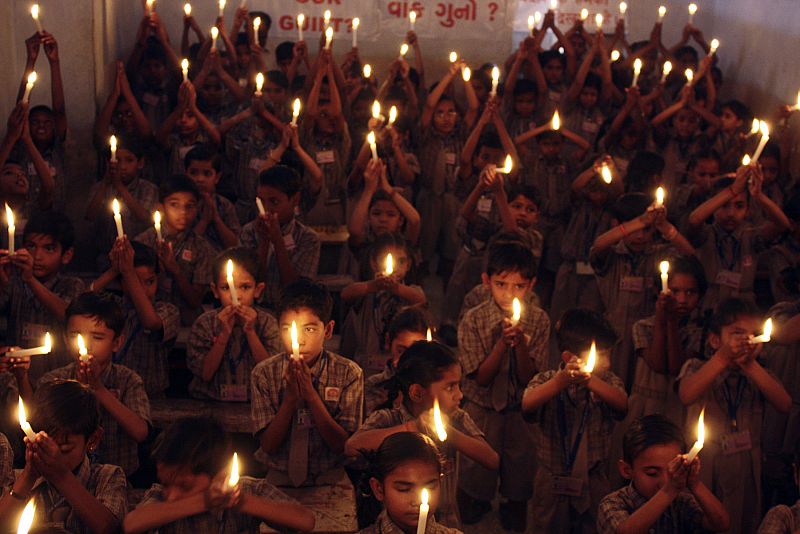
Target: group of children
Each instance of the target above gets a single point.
(559, 349)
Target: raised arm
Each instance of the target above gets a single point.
(56, 84)
(436, 94)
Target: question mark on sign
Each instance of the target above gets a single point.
(493, 7)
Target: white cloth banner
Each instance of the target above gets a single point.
(568, 11)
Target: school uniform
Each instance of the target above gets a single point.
(116, 447)
(731, 454)
(480, 294)
(572, 438)
(683, 515)
(54, 155)
(178, 147)
(783, 264)
(247, 147)
(6, 464)
(376, 387)
(584, 122)
(231, 381)
(496, 408)
(303, 458)
(781, 519)
(328, 207)
(384, 525)
(194, 256)
(676, 153)
(227, 212)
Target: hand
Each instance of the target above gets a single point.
(677, 475)
(17, 366)
(746, 360)
(16, 121)
(411, 38)
(512, 335)
(649, 216)
(209, 209)
(227, 318)
(372, 175)
(756, 181)
(665, 304)
(47, 459)
(220, 496)
(303, 377)
(488, 178)
(693, 479)
(426, 425)
(124, 255)
(286, 137)
(300, 50)
(735, 347)
(270, 228)
(247, 316)
(385, 283)
(32, 45)
(50, 47)
(240, 17)
(167, 257)
(549, 19)
(291, 392)
(295, 136)
(740, 182)
(23, 261)
(89, 374)
(606, 160)
(573, 372)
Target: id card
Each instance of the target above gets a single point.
(450, 158)
(187, 255)
(484, 205)
(583, 268)
(569, 486)
(736, 442)
(288, 242)
(303, 418)
(729, 279)
(634, 284)
(233, 392)
(332, 394)
(326, 156)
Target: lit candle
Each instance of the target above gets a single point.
(117, 217)
(615, 55)
(637, 69)
(605, 173)
(516, 311)
(300, 21)
(757, 123)
(376, 109)
(326, 18)
(466, 74)
(692, 11)
(441, 432)
(701, 437)
(29, 86)
(35, 15)
(428, 335)
(83, 353)
(231, 284)
(766, 336)
(659, 197)
(356, 23)
(259, 83)
(185, 69)
(508, 165)
(328, 37)
(12, 229)
(662, 10)
(150, 7)
(623, 8)
(495, 80)
(367, 72)
(157, 225)
(372, 146)
(598, 21)
(260, 206)
(689, 73)
(665, 72)
(555, 124)
(187, 9)
(221, 8)
(453, 57)
(423, 513)
(797, 105)
(591, 360)
(256, 26)
(531, 24)
(745, 160)
(234, 478)
(763, 142)
(584, 14)
(392, 115)
(295, 111)
(35, 351)
(403, 50)
(714, 46)
(553, 5)
(389, 265)
(26, 519)
(23, 421)
(412, 19)
(112, 143)
(664, 268)
(295, 342)
(214, 35)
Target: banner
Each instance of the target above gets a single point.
(568, 11)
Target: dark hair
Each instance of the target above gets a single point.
(691, 266)
(284, 51)
(723, 184)
(527, 191)
(402, 447)
(549, 55)
(506, 257)
(488, 140)
(688, 51)
(305, 293)
(177, 183)
(244, 258)
(579, 327)
(739, 109)
(154, 52)
(278, 78)
(242, 40)
(65, 406)
(199, 443)
(381, 195)
(144, 256)
(642, 171)
(593, 80)
(630, 206)
(648, 431)
(266, 20)
(100, 306)
(702, 155)
(52, 224)
(550, 135)
(729, 311)
(203, 152)
(284, 179)
(131, 143)
(525, 87)
(409, 319)
(423, 363)
(41, 108)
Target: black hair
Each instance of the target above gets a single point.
(283, 178)
(549, 55)
(489, 140)
(65, 407)
(278, 78)
(284, 51)
(702, 155)
(525, 87)
(402, 447)
(131, 143)
(507, 257)
(52, 224)
(389, 240)
(527, 191)
(725, 183)
(144, 256)
(242, 39)
(648, 431)
(409, 319)
(643, 170)
(177, 183)
(579, 327)
(593, 80)
(380, 195)
(101, 307)
(423, 363)
(739, 109)
(41, 108)
(629, 206)
(203, 152)
(550, 135)
(305, 293)
(243, 257)
(482, 77)
(154, 52)
(687, 50)
(729, 311)
(198, 443)
(691, 266)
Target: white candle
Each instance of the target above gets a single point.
(441, 432)
(231, 285)
(428, 335)
(29, 86)
(328, 37)
(326, 18)
(372, 145)
(689, 73)
(83, 353)
(300, 21)
(662, 10)
(221, 8)
(149, 7)
(112, 142)
(234, 478)
(665, 72)
(796, 107)
(660, 197)
(295, 111)
(605, 173)
(260, 206)
(376, 109)
(35, 351)
(157, 225)
(495, 80)
(508, 165)
(466, 74)
(259, 84)
(187, 9)
(12, 228)
(392, 115)
(637, 69)
(35, 15)
(26, 519)
(763, 142)
(423, 513)
(117, 217)
(23, 421)
(664, 268)
(295, 342)
(185, 69)
(256, 26)
(516, 311)
(214, 35)
(389, 265)
(412, 19)
(766, 336)
(591, 361)
(701, 437)
(692, 11)
(356, 23)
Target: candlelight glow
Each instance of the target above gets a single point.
(689, 73)
(221, 6)
(35, 11)
(757, 123)
(664, 267)
(295, 342)
(495, 74)
(187, 9)
(605, 173)
(9, 218)
(531, 23)
(256, 24)
(185, 66)
(714, 45)
(441, 433)
(259, 82)
(767, 335)
(234, 479)
(667, 68)
(746, 160)
(428, 335)
(301, 19)
(701, 437)
(466, 74)
(32, 77)
(229, 269)
(26, 519)
(367, 71)
(412, 16)
(425, 497)
(508, 166)
(48, 343)
(115, 206)
(112, 143)
(623, 7)
(692, 9)
(23, 420)
(764, 128)
(328, 36)
(598, 21)
(615, 55)
(356, 23)
(82, 347)
(389, 265)
(637, 65)
(214, 36)
(662, 10)
(392, 115)
(371, 138)
(555, 124)
(591, 360)
(326, 17)
(403, 50)
(453, 57)
(584, 14)
(797, 105)
(516, 310)
(553, 5)
(660, 196)
(296, 108)
(376, 110)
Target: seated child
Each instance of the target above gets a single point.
(69, 491)
(731, 387)
(124, 406)
(405, 464)
(193, 494)
(35, 293)
(429, 374)
(574, 411)
(226, 343)
(665, 494)
(306, 406)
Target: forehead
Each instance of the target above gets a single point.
(510, 277)
(524, 201)
(386, 205)
(452, 373)
(657, 455)
(445, 105)
(682, 280)
(407, 337)
(41, 240)
(300, 315)
(745, 322)
(271, 192)
(200, 164)
(413, 472)
(180, 196)
(86, 322)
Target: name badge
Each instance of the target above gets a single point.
(729, 279)
(186, 255)
(233, 392)
(484, 205)
(326, 156)
(450, 158)
(583, 268)
(150, 99)
(590, 127)
(303, 418)
(747, 261)
(634, 284)
(736, 442)
(569, 486)
(332, 394)
(257, 164)
(288, 241)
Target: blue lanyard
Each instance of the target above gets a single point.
(734, 403)
(570, 453)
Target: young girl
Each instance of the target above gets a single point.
(427, 372)
(404, 465)
(376, 300)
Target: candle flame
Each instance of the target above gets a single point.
(441, 433)
(187, 9)
(328, 35)
(296, 107)
(714, 45)
(412, 16)
(112, 142)
(376, 110)
(689, 73)
(403, 49)
(256, 24)
(367, 71)
(326, 17)
(662, 10)
(660, 196)
(746, 160)
(584, 14)
(356, 23)
(537, 16)
(692, 9)
(797, 106)
(259, 82)
(531, 22)
(82, 346)
(234, 479)
(21, 412)
(9, 217)
(623, 7)
(425, 496)
(553, 5)
(26, 519)
(48, 343)
(214, 32)
(556, 122)
(295, 342)
(615, 55)
(637, 65)
(591, 360)
(371, 138)
(508, 165)
(757, 123)
(701, 428)
(664, 267)
(157, 217)
(35, 11)
(229, 270)
(466, 74)
(605, 172)
(598, 20)
(389, 265)
(221, 5)
(764, 128)
(428, 335)
(301, 18)
(32, 77)
(516, 310)
(392, 115)
(115, 206)
(767, 335)
(495, 74)
(185, 65)
(453, 57)
(667, 67)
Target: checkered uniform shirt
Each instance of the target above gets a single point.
(6, 463)
(684, 515)
(384, 525)
(227, 212)
(781, 519)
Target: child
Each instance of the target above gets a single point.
(731, 387)
(499, 357)
(428, 373)
(193, 461)
(730, 138)
(6, 463)
(151, 325)
(305, 408)
(702, 171)
(125, 408)
(184, 257)
(783, 519)
(68, 489)
(217, 220)
(375, 302)
(665, 494)
(405, 464)
(574, 411)
(407, 326)
(35, 293)
(226, 343)
(287, 249)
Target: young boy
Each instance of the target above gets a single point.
(193, 462)
(217, 220)
(731, 387)
(304, 408)
(184, 256)
(499, 356)
(574, 410)
(226, 343)
(125, 408)
(35, 293)
(287, 249)
(68, 489)
(665, 494)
